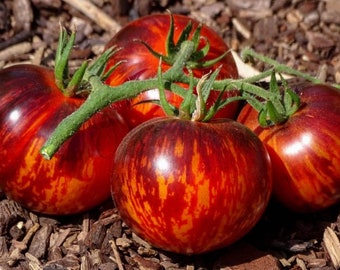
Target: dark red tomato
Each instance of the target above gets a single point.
(305, 151)
(191, 187)
(141, 64)
(77, 177)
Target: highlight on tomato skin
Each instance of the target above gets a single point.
(76, 179)
(139, 63)
(305, 150)
(191, 187)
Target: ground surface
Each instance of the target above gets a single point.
(301, 34)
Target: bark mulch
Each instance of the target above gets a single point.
(301, 34)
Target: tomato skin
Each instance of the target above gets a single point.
(190, 187)
(77, 177)
(305, 150)
(140, 64)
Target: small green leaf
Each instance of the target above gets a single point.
(184, 35)
(170, 43)
(165, 58)
(65, 45)
(287, 100)
(253, 101)
(276, 98)
(208, 63)
(76, 79)
(269, 116)
(198, 55)
(274, 115)
(97, 67)
(166, 106)
(196, 36)
(292, 102)
(111, 70)
(273, 85)
(187, 105)
(263, 117)
(208, 83)
(216, 106)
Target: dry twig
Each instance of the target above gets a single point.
(95, 14)
(116, 254)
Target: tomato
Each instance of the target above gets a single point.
(305, 150)
(77, 177)
(139, 63)
(191, 187)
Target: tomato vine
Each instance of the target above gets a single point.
(274, 106)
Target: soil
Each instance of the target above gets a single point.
(301, 34)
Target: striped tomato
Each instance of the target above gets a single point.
(77, 177)
(305, 150)
(191, 187)
(138, 63)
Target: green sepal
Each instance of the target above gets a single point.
(75, 82)
(198, 55)
(291, 102)
(166, 106)
(253, 101)
(97, 68)
(166, 58)
(196, 36)
(274, 115)
(173, 48)
(65, 45)
(263, 119)
(188, 103)
(277, 94)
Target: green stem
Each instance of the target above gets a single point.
(96, 101)
(244, 85)
(103, 95)
(247, 52)
(280, 68)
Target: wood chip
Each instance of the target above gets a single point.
(10, 214)
(95, 14)
(302, 34)
(40, 241)
(116, 255)
(240, 27)
(301, 264)
(332, 246)
(23, 14)
(15, 51)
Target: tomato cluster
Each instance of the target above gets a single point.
(185, 186)
(173, 178)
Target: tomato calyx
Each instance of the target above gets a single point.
(77, 84)
(279, 106)
(173, 48)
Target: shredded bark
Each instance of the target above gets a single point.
(302, 34)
